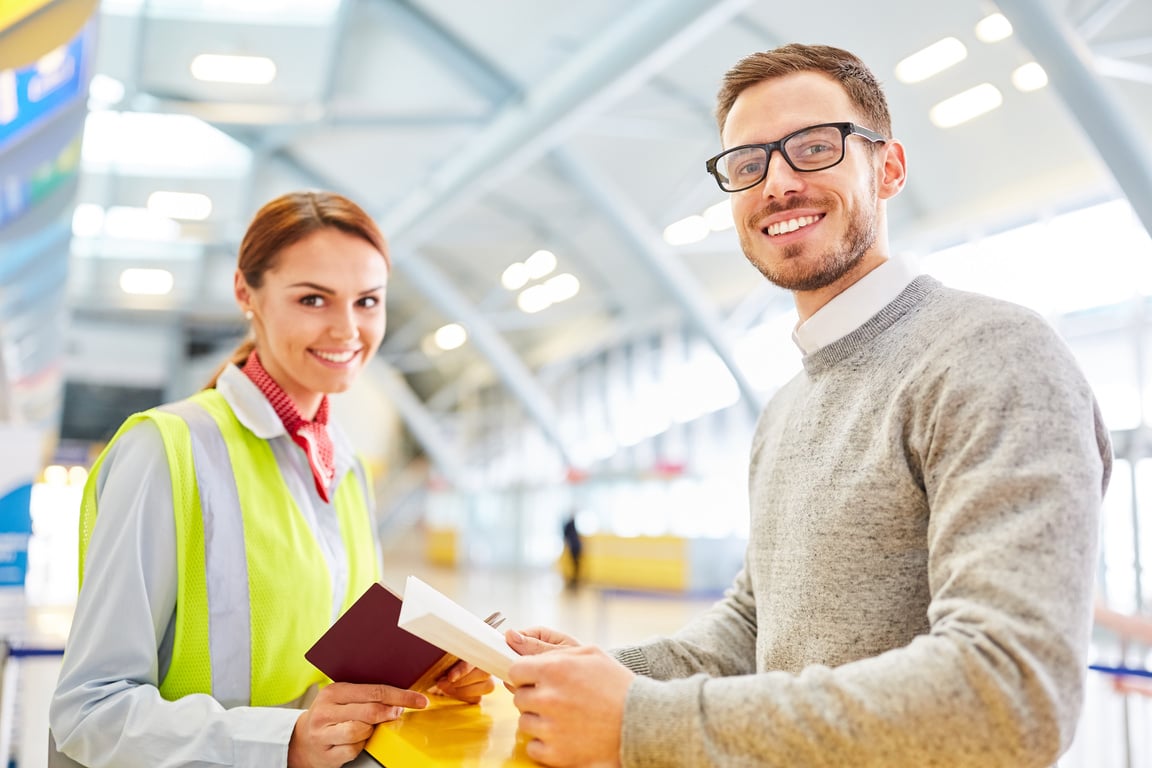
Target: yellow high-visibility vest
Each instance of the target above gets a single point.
(245, 609)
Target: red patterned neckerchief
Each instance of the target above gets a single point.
(312, 436)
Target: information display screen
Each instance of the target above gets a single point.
(19, 194)
(30, 96)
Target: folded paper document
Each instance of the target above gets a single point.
(434, 617)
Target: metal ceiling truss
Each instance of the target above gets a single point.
(1064, 55)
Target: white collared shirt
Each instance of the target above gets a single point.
(854, 306)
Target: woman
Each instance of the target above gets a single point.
(221, 535)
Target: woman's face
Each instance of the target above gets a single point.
(319, 315)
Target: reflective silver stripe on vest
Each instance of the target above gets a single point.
(225, 562)
(319, 515)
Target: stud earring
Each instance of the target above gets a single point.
(249, 314)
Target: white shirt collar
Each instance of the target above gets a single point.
(253, 410)
(854, 306)
(251, 407)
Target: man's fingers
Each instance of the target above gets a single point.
(526, 645)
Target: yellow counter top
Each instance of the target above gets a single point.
(452, 733)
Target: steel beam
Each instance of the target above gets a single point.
(621, 58)
(1089, 97)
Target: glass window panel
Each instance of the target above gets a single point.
(1117, 543)
(1109, 363)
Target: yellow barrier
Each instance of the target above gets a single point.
(635, 562)
(440, 546)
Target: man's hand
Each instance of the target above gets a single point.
(336, 727)
(571, 704)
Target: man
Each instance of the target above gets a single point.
(924, 495)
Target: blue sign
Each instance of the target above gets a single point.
(30, 96)
(15, 528)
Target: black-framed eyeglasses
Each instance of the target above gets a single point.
(815, 148)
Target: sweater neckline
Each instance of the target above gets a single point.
(846, 346)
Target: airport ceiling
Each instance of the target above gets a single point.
(478, 133)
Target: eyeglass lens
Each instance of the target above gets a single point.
(812, 150)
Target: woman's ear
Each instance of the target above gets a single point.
(894, 171)
(242, 291)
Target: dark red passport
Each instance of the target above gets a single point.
(366, 646)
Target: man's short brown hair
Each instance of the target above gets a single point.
(845, 68)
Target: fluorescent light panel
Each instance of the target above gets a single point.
(966, 105)
(718, 217)
(533, 299)
(993, 28)
(125, 223)
(1029, 77)
(450, 336)
(931, 60)
(562, 287)
(146, 282)
(244, 70)
(515, 276)
(540, 263)
(691, 229)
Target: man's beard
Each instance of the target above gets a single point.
(793, 273)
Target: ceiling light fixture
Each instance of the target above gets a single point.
(993, 28)
(562, 287)
(244, 70)
(190, 206)
(450, 336)
(534, 299)
(540, 263)
(966, 105)
(691, 229)
(126, 223)
(146, 282)
(931, 60)
(1029, 77)
(515, 276)
(718, 217)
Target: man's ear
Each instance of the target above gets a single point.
(894, 171)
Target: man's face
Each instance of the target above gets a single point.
(809, 232)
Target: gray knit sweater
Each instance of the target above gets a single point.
(917, 587)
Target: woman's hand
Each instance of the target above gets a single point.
(336, 727)
(465, 682)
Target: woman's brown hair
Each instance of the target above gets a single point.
(285, 221)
